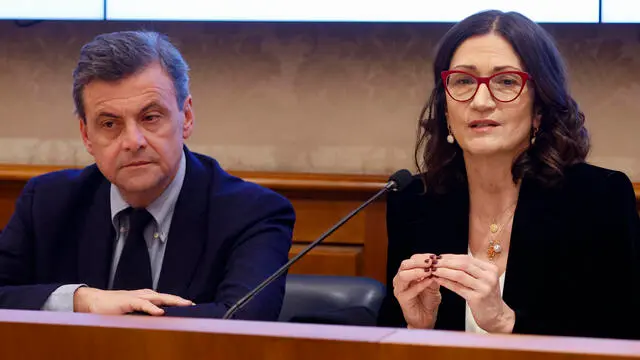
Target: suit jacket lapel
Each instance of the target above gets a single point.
(188, 231)
(96, 238)
(536, 212)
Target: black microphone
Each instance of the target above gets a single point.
(397, 182)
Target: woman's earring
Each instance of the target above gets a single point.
(533, 138)
(450, 138)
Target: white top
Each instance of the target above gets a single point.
(470, 322)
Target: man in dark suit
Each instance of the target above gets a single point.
(150, 227)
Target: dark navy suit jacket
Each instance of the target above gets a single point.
(226, 236)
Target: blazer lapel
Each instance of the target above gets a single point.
(96, 238)
(188, 231)
(536, 212)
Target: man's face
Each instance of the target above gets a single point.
(135, 130)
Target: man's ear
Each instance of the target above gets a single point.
(189, 117)
(85, 136)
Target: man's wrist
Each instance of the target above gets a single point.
(80, 299)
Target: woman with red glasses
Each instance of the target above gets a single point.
(507, 229)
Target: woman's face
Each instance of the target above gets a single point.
(483, 125)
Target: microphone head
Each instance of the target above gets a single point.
(400, 179)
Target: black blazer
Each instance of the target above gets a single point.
(226, 236)
(573, 259)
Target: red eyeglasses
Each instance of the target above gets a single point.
(504, 86)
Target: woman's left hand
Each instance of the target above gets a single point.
(478, 282)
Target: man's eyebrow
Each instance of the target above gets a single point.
(152, 105)
(103, 114)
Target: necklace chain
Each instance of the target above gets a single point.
(494, 249)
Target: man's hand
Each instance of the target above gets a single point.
(96, 301)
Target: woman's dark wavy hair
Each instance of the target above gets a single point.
(561, 140)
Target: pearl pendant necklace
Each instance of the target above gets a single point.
(494, 249)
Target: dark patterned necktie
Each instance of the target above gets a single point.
(134, 267)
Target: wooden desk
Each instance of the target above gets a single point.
(29, 335)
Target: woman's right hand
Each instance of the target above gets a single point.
(417, 292)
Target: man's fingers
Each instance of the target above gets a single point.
(143, 292)
(166, 299)
(139, 304)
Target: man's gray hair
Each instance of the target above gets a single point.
(115, 56)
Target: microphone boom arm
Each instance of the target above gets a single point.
(391, 185)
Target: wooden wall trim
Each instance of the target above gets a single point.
(314, 182)
(272, 180)
(25, 172)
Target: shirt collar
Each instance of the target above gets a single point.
(161, 208)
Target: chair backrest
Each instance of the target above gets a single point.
(323, 299)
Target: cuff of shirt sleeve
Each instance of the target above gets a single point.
(62, 298)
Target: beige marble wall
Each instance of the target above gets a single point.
(339, 98)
